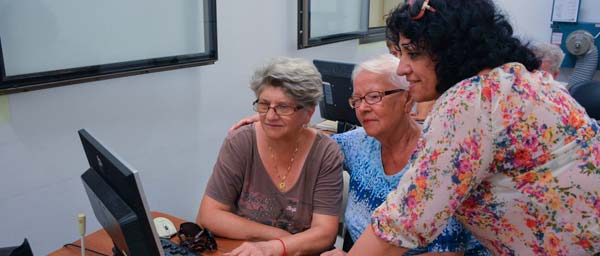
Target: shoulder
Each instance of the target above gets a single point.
(325, 142)
(488, 87)
(241, 140)
(350, 137)
(508, 71)
(509, 76)
(243, 133)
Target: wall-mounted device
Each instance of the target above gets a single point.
(580, 43)
(578, 36)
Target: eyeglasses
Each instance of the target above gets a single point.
(371, 97)
(194, 237)
(282, 110)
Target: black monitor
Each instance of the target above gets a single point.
(117, 198)
(337, 89)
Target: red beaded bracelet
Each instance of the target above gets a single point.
(282, 244)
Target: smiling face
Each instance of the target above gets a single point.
(277, 126)
(382, 117)
(419, 69)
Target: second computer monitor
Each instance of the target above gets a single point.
(337, 89)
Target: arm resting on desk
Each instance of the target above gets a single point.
(319, 237)
(312, 241)
(219, 219)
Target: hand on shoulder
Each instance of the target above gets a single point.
(244, 121)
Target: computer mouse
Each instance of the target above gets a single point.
(164, 227)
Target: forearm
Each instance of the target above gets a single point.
(369, 244)
(226, 224)
(314, 240)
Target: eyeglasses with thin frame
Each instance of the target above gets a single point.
(282, 110)
(371, 97)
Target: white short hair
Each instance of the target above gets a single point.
(548, 53)
(384, 64)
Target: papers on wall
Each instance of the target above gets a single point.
(556, 38)
(565, 10)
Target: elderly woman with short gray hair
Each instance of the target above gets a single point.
(278, 179)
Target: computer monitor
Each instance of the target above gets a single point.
(337, 89)
(117, 198)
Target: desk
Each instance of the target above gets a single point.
(100, 241)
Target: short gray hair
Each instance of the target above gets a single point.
(548, 53)
(299, 79)
(384, 64)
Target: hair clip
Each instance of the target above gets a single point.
(424, 7)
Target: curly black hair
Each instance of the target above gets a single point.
(462, 36)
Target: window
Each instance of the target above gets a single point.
(378, 10)
(328, 21)
(53, 43)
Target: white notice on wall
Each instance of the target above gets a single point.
(556, 38)
(565, 10)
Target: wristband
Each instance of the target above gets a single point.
(282, 244)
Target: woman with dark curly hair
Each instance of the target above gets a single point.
(505, 150)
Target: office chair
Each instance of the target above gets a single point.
(342, 232)
(21, 250)
(588, 96)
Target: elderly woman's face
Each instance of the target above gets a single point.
(419, 69)
(278, 126)
(382, 117)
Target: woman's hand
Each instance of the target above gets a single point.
(334, 252)
(266, 248)
(244, 121)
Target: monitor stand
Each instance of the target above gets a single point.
(344, 126)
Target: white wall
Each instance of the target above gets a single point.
(169, 125)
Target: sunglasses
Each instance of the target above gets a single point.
(196, 238)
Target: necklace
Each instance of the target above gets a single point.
(283, 178)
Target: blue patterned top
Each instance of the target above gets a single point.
(369, 186)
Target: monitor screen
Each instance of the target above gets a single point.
(118, 200)
(337, 89)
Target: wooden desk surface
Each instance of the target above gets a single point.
(100, 241)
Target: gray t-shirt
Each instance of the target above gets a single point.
(240, 180)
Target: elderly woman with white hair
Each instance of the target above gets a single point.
(377, 155)
(550, 55)
(277, 182)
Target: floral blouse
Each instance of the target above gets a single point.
(514, 158)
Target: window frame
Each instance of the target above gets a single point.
(375, 34)
(62, 77)
(304, 40)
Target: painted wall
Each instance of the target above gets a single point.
(169, 125)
